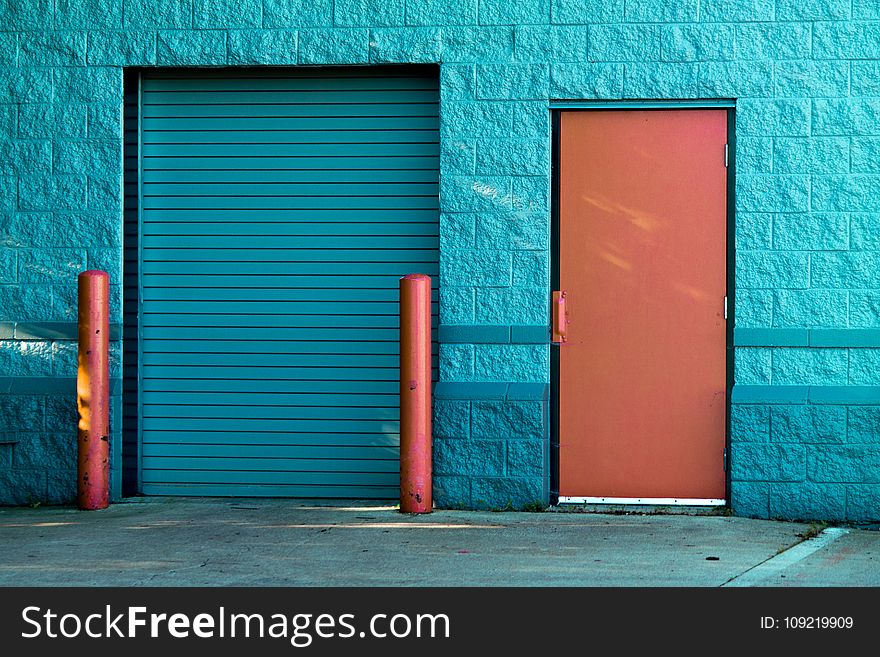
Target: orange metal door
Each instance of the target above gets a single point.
(643, 264)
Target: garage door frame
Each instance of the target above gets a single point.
(132, 423)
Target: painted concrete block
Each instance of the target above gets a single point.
(808, 424)
(512, 305)
(452, 492)
(812, 79)
(452, 419)
(773, 117)
(846, 116)
(130, 48)
(221, 14)
(469, 457)
(457, 82)
(88, 14)
(478, 44)
(864, 367)
(754, 231)
(52, 49)
(624, 43)
(27, 14)
(846, 40)
(513, 81)
(251, 47)
(405, 45)
(577, 11)
(297, 13)
(164, 15)
(697, 43)
(782, 41)
(750, 498)
(188, 48)
(776, 193)
(863, 424)
(852, 269)
(818, 367)
(767, 462)
(772, 269)
(525, 458)
(810, 308)
(506, 492)
(799, 155)
(722, 11)
(812, 10)
(543, 43)
(368, 13)
(441, 12)
(661, 11)
(864, 309)
(863, 502)
(750, 423)
(576, 81)
(507, 420)
(514, 363)
(808, 501)
(752, 366)
(857, 464)
(524, 12)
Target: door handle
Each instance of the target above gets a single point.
(559, 318)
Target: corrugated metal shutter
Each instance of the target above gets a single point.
(278, 210)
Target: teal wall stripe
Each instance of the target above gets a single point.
(474, 334)
(769, 394)
(784, 337)
(48, 385)
(49, 331)
(529, 334)
(845, 337)
(844, 395)
(484, 391)
(493, 334)
(760, 337)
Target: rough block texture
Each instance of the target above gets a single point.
(821, 462)
(806, 80)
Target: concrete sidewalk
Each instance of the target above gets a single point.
(221, 542)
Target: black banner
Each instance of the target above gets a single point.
(276, 621)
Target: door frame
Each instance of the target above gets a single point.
(556, 108)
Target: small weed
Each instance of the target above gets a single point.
(813, 530)
(536, 506)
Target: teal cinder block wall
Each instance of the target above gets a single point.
(805, 74)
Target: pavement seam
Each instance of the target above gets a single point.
(779, 562)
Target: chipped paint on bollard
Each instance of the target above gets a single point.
(93, 391)
(415, 394)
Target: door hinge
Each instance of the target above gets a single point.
(725, 307)
(726, 152)
(724, 459)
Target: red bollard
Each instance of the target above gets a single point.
(93, 391)
(415, 394)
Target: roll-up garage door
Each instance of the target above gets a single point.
(278, 211)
